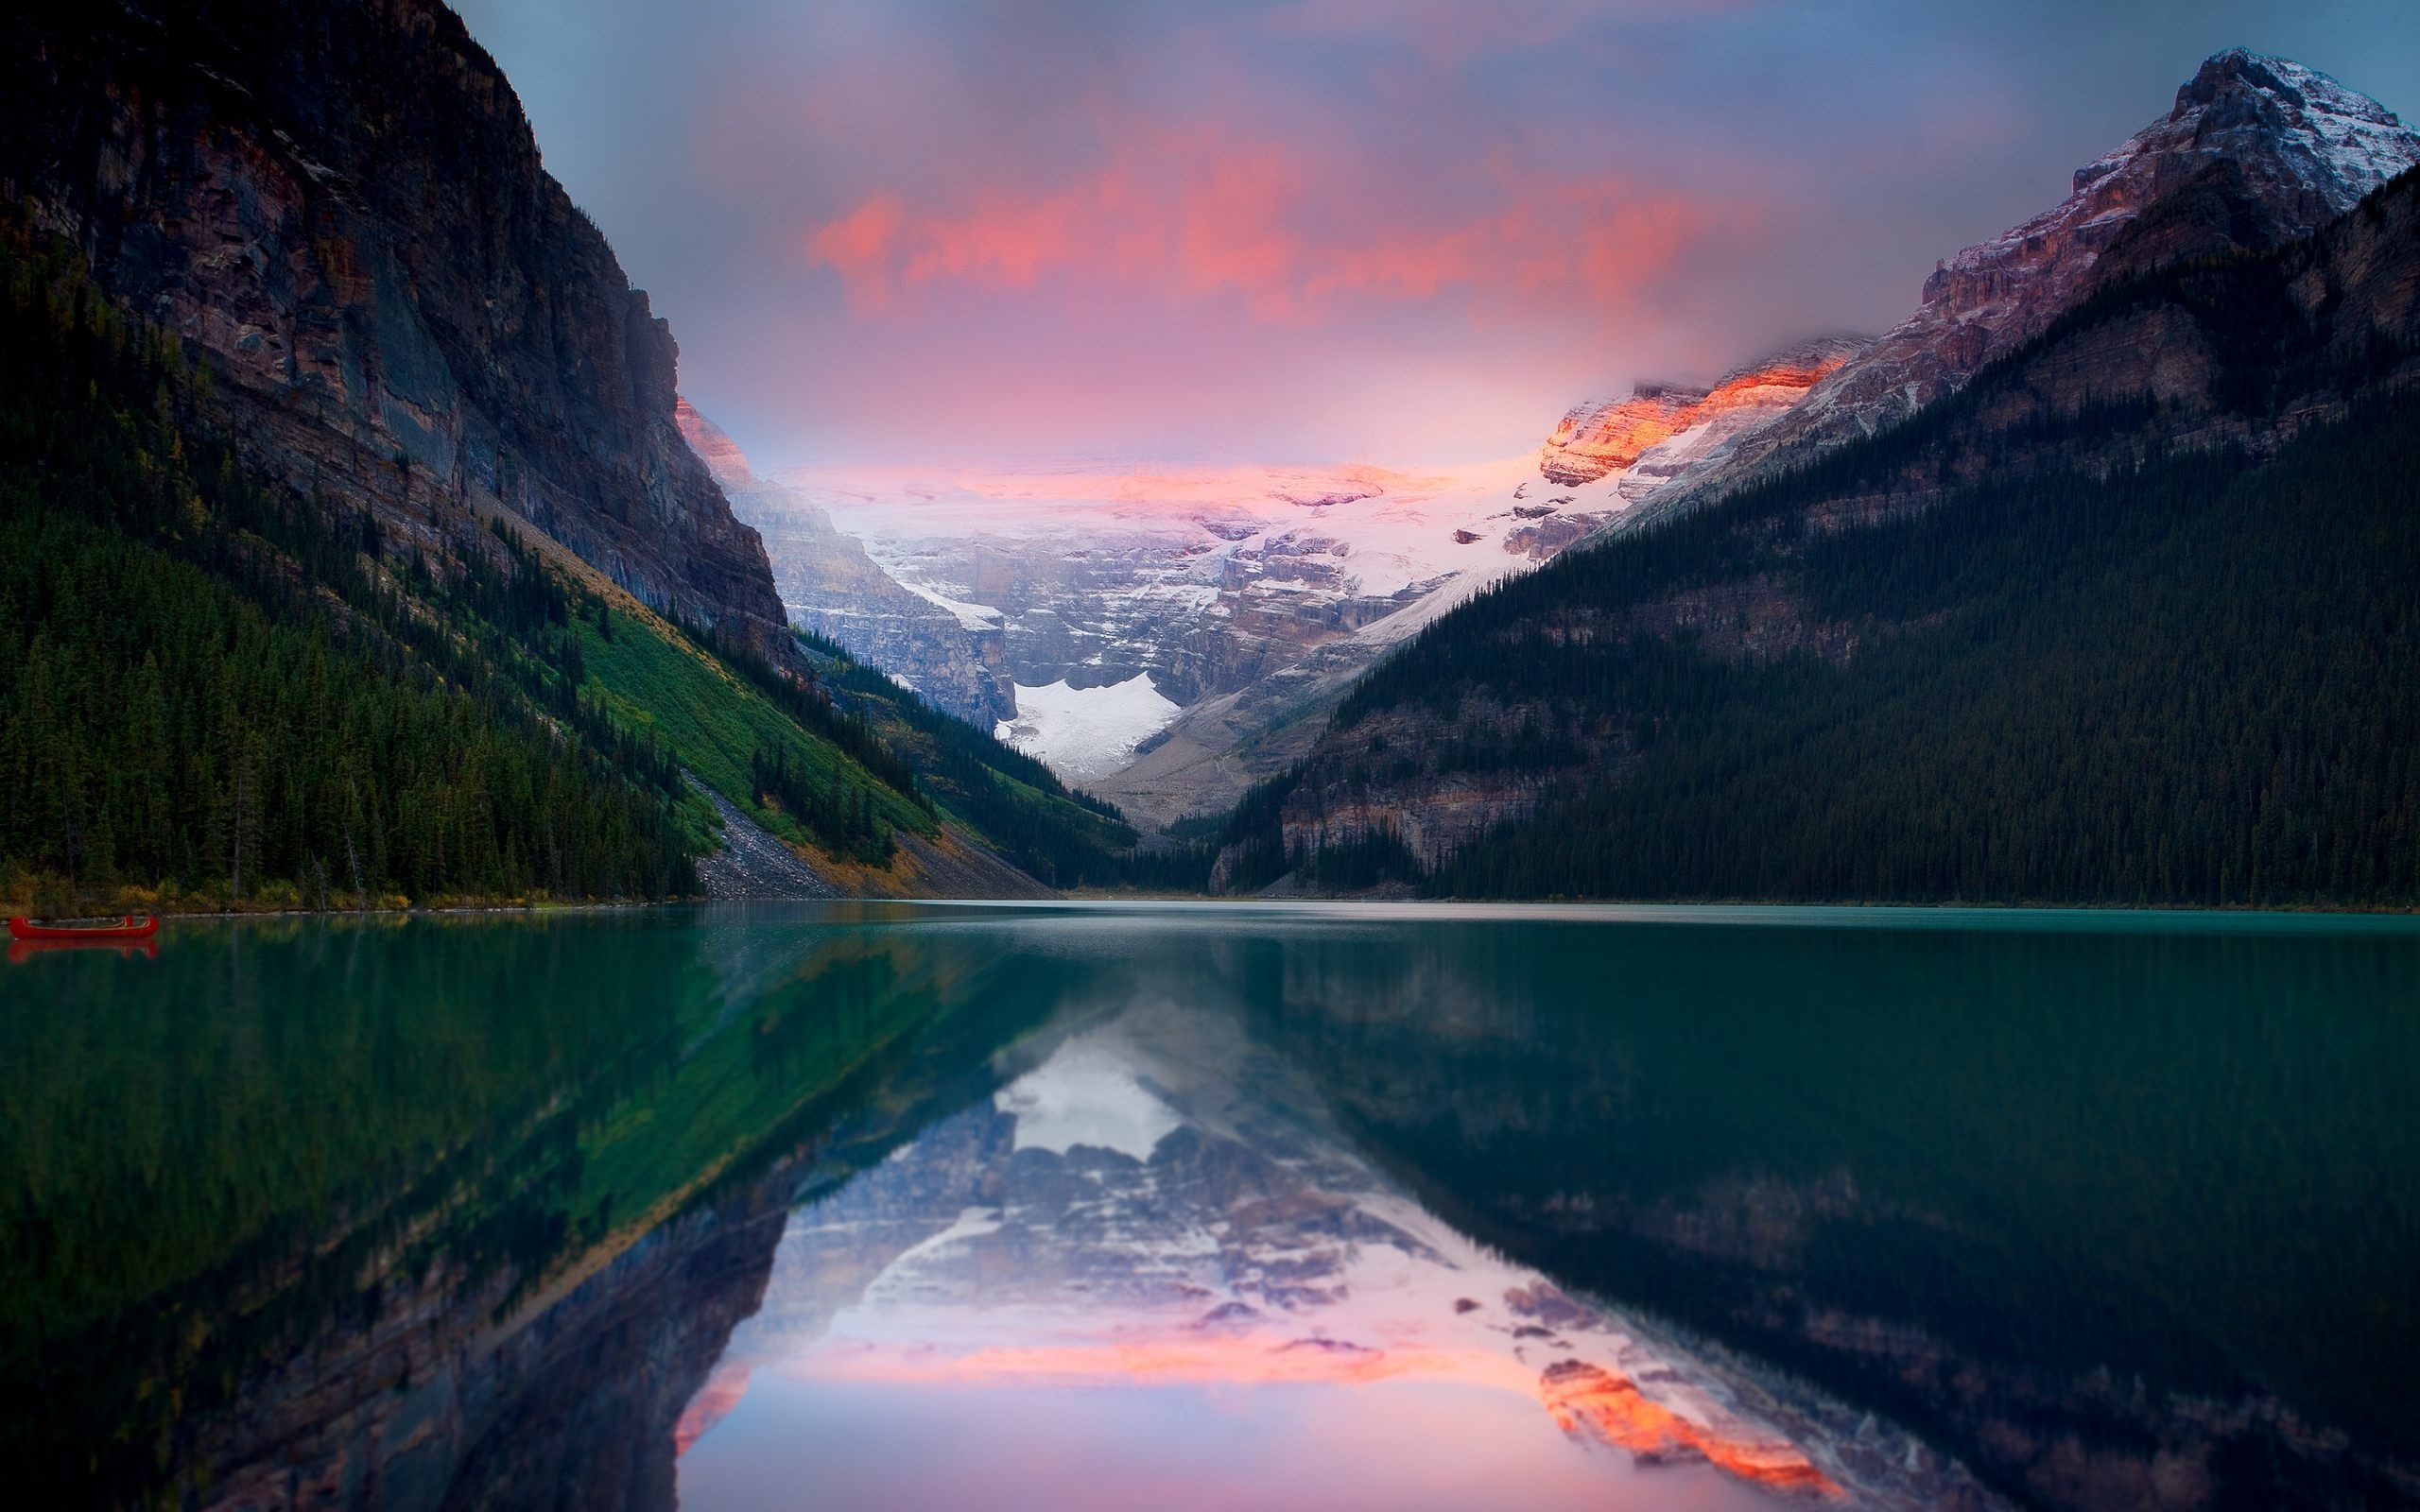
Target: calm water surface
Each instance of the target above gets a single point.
(1169, 1206)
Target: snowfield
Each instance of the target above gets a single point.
(1083, 734)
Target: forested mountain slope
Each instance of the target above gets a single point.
(226, 693)
(2135, 617)
(219, 689)
(356, 555)
(223, 691)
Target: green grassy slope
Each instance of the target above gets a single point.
(650, 678)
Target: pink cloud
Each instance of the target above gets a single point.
(860, 246)
(1185, 215)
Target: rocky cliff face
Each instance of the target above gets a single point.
(2257, 152)
(342, 208)
(1612, 435)
(828, 584)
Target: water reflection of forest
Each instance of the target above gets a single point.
(463, 1207)
(282, 1178)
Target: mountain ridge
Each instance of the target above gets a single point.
(1511, 727)
(2255, 152)
(830, 587)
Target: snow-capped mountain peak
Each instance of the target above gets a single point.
(2307, 147)
(2255, 152)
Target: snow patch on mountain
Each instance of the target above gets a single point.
(1086, 732)
(1129, 595)
(970, 616)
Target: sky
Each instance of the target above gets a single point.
(1407, 231)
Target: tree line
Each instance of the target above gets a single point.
(225, 690)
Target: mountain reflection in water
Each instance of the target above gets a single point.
(1154, 1252)
(897, 1206)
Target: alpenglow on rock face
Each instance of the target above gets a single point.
(2255, 152)
(1663, 430)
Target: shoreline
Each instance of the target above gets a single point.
(1084, 897)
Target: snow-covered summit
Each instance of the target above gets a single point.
(2255, 152)
(2306, 149)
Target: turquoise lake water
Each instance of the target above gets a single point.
(1175, 1205)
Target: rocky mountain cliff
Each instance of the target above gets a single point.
(828, 584)
(1615, 436)
(2037, 506)
(342, 206)
(2255, 152)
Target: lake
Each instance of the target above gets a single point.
(1215, 1206)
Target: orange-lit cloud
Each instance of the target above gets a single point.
(1305, 230)
(1193, 215)
(1587, 1402)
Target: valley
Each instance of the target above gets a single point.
(1264, 772)
(1209, 614)
(1002, 680)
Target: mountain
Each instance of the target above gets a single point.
(830, 587)
(1158, 1206)
(355, 552)
(343, 208)
(1249, 628)
(1170, 635)
(1665, 431)
(2126, 617)
(2257, 152)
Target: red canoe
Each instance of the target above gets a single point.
(128, 927)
